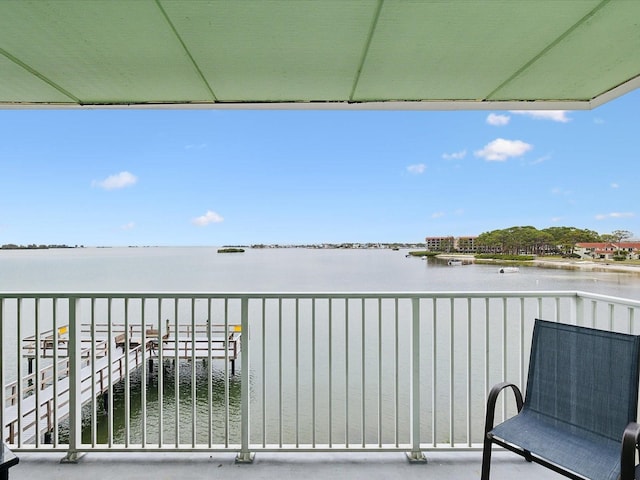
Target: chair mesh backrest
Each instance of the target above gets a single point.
(583, 376)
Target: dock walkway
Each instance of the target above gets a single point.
(104, 363)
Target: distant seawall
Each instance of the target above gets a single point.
(588, 266)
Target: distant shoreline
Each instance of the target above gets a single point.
(561, 264)
(588, 266)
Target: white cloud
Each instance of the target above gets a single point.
(500, 150)
(196, 146)
(542, 159)
(553, 115)
(604, 216)
(560, 191)
(455, 155)
(556, 219)
(498, 120)
(417, 169)
(615, 185)
(437, 215)
(128, 226)
(207, 218)
(119, 180)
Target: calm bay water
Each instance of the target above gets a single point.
(202, 269)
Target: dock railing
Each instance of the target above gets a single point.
(258, 372)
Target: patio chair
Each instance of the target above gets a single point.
(578, 417)
(7, 460)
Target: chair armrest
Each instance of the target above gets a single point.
(493, 398)
(628, 456)
(7, 460)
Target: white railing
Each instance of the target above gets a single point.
(269, 372)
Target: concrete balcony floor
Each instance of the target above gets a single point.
(281, 466)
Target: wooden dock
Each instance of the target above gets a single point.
(106, 357)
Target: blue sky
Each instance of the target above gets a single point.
(212, 177)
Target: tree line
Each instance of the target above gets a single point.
(529, 240)
(33, 246)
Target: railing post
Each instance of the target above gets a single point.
(75, 389)
(579, 312)
(244, 456)
(416, 455)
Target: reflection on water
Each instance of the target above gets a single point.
(192, 419)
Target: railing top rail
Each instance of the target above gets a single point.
(310, 294)
(607, 298)
(320, 295)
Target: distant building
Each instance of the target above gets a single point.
(466, 244)
(633, 249)
(607, 250)
(589, 251)
(440, 244)
(453, 244)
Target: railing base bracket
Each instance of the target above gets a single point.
(72, 457)
(416, 457)
(245, 457)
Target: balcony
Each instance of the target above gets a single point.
(197, 381)
(283, 466)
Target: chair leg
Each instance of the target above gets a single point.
(630, 439)
(486, 459)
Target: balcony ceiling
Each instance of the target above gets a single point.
(411, 54)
